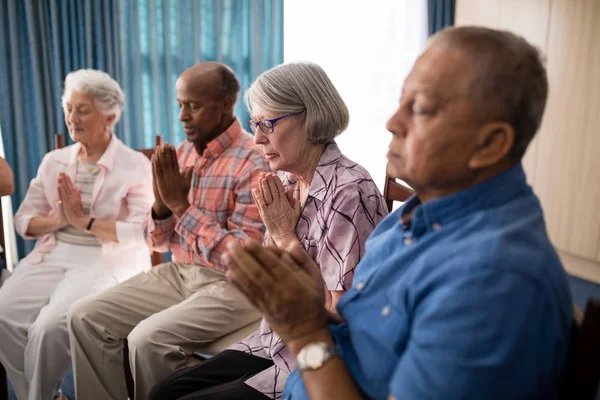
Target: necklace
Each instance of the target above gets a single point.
(85, 165)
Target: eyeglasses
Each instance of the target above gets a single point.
(267, 125)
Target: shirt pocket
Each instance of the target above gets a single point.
(383, 338)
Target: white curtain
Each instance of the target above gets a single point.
(366, 48)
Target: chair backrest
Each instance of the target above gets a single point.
(583, 367)
(59, 142)
(395, 191)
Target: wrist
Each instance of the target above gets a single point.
(180, 208)
(59, 222)
(319, 335)
(160, 211)
(81, 222)
(286, 241)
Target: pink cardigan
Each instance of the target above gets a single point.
(122, 193)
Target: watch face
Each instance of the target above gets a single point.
(314, 356)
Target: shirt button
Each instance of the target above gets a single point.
(385, 311)
(360, 286)
(436, 227)
(408, 241)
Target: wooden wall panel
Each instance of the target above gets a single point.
(477, 12)
(563, 162)
(568, 162)
(527, 18)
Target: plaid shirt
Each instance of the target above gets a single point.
(221, 209)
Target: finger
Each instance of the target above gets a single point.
(61, 194)
(166, 159)
(266, 191)
(290, 196)
(239, 283)
(155, 166)
(273, 188)
(260, 202)
(248, 271)
(280, 189)
(189, 172)
(261, 179)
(160, 154)
(66, 188)
(70, 184)
(303, 259)
(271, 261)
(172, 158)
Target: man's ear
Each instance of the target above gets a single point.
(227, 104)
(494, 142)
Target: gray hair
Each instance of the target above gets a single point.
(301, 87)
(103, 89)
(509, 82)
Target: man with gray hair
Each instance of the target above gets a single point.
(460, 294)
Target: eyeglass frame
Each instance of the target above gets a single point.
(253, 123)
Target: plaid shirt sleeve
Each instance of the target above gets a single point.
(208, 239)
(159, 233)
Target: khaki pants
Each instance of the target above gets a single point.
(165, 314)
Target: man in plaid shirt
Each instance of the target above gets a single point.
(203, 203)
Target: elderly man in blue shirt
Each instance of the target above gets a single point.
(460, 294)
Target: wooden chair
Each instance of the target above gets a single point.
(395, 191)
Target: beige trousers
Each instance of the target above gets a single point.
(34, 301)
(165, 314)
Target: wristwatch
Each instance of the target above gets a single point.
(314, 355)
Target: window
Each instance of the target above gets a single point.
(367, 51)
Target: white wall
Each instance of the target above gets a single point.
(366, 48)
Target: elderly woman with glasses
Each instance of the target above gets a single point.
(86, 207)
(319, 200)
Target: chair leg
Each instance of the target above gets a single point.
(3, 384)
(127, 370)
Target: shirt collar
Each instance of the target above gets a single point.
(108, 158)
(486, 195)
(324, 173)
(217, 146)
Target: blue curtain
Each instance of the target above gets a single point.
(143, 44)
(162, 38)
(441, 14)
(40, 42)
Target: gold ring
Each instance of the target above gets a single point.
(60, 202)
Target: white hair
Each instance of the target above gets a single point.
(301, 86)
(103, 89)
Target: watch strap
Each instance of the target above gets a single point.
(88, 228)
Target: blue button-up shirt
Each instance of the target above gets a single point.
(468, 301)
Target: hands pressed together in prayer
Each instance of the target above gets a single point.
(278, 209)
(70, 206)
(285, 286)
(171, 186)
